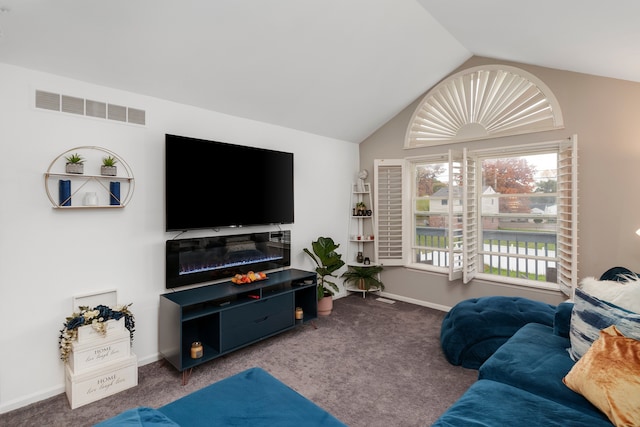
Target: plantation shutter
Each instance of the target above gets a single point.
(388, 200)
(567, 234)
(470, 218)
(456, 211)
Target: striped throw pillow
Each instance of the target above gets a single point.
(590, 315)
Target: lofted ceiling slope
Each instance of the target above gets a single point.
(336, 68)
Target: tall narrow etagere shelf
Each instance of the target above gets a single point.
(361, 232)
(90, 181)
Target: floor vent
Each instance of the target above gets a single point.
(90, 108)
(388, 301)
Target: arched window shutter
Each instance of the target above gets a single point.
(483, 102)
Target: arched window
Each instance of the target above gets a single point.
(483, 102)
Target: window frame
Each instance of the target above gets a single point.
(467, 160)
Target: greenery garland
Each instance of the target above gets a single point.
(97, 318)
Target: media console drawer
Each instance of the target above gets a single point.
(261, 318)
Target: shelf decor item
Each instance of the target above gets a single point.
(97, 318)
(109, 167)
(114, 193)
(64, 190)
(75, 164)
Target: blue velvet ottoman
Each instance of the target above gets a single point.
(252, 398)
(475, 328)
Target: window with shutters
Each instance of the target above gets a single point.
(507, 214)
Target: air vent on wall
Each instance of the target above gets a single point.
(90, 108)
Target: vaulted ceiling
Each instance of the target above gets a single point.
(337, 68)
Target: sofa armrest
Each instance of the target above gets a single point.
(562, 319)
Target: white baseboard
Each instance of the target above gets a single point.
(416, 301)
(56, 390)
(32, 398)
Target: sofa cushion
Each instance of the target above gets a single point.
(490, 404)
(590, 315)
(562, 319)
(624, 294)
(536, 360)
(609, 377)
(473, 329)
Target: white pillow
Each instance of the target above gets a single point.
(623, 294)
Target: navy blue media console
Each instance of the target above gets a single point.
(225, 317)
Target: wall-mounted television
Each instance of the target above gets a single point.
(211, 184)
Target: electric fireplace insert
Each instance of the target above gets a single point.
(206, 259)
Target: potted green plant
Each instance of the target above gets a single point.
(364, 278)
(328, 261)
(109, 167)
(75, 164)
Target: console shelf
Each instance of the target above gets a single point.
(225, 317)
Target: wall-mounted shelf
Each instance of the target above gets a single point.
(89, 190)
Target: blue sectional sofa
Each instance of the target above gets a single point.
(520, 384)
(250, 398)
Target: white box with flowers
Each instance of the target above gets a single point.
(99, 351)
(95, 384)
(88, 332)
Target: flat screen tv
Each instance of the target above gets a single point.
(210, 184)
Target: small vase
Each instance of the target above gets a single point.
(359, 258)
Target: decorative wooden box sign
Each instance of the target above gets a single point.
(99, 383)
(98, 351)
(88, 333)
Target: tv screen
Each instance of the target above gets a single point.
(210, 184)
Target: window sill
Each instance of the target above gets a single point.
(498, 280)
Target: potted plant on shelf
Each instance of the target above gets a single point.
(75, 164)
(364, 278)
(109, 167)
(328, 261)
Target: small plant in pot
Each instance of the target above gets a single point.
(75, 164)
(328, 261)
(364, 278)
(109, 167)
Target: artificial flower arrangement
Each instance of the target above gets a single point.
(97, 318)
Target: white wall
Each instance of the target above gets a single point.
(48, 255)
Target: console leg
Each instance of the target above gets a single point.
(186, 375)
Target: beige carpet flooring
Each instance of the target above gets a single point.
(369, 363)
